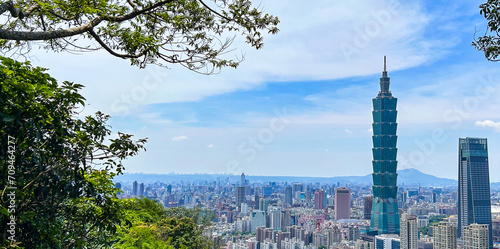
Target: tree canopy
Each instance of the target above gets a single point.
(192, 33)
(56, 168)
(489, 43)
(153, 226)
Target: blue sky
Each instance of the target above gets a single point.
(301, 106)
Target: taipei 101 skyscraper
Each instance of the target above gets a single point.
(385, 215)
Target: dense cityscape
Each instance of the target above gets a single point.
(303, 215)
(298, 215)
(240, 124)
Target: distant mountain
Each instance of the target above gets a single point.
(415, 177)
(406, 177)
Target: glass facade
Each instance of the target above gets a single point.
(385, 214)
(474, 204)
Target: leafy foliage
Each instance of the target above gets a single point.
(199, 215)
(187, 32)
(148, 223)
(489, 43)
(63, 165)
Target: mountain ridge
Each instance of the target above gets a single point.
(406, 177)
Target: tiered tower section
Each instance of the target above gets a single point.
(385, 215)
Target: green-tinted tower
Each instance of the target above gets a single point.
(385, 215)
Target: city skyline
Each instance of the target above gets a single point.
(315, 91)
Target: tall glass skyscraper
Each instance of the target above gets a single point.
(474, 203)
(385, 214)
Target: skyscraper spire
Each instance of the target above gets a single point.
(385, 62)
(385, 81)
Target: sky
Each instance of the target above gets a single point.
(301, 106)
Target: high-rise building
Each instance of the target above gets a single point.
(288, 196)
(385, 213)
(353, 233)
(240, 196)
(275, 218)
(281, 236)
(256, 202)
(298, 187)
(409, 232)
(342, 203)
(243, 180)
(141, 189)
(476, 236)
(445, 235)
(260, 233)
(269, 234)
(267, 191)
(286, 218)
(244, 208)
(263, 204)
(134, 188)
(367, 208)
(169, 189)
(474, 204)
(257, 219)
(319, 199)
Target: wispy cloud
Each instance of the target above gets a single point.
(348, 131)
(179, 138)
(289, 56)
(210, 146)
(489, 124)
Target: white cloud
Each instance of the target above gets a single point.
(370, 28)
(490, 124)
(348, 131)
(179, 138)
(210, 146)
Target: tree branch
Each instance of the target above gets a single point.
(15, 12)
(49, 35)
(215, 12)
(125, 56)
(131, 2)
(33, 7)
(135, 13)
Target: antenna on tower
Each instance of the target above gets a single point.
(385, 68)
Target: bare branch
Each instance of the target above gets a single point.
(215, 12)
(30, 10)
(136, 13)
(131, 2)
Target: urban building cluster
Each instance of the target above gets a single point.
(298, 215)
